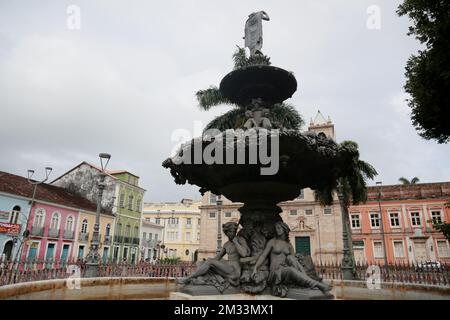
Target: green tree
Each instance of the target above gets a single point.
(428, 72)
(405, 181)
(353, 180)
(281, 114)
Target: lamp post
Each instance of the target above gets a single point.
(348, 262)
(93, 257)
(382, 228)
(219, 223)
(26, 232)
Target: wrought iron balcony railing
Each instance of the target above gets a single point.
(83, 237)
(53, 233)
(69, 234)
(37, 231)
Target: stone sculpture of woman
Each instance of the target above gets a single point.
(253, 32)
(229, 269)
(285, 269)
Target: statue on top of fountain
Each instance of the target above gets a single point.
(253, 32)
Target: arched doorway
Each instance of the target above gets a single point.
(7, 250)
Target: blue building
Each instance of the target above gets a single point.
(14, 212)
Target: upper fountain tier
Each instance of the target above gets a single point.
(272, 84)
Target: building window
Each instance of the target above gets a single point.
(327, 211)
(394, 219)
(293, 212)
(212, 198)
(375, 220)
(118, 230)
(399, 251)
(136, 232)
(228, 214)
(356, 223)
(55, 221)
(108, 229)
(39, 218)
(378, 249)
(308, 212)
(138, 205)
(198, 235)
(14, 215)
(173, 221)
(130, 202)
(150, 236)
(84, 226)
(127, 230)
(188, 236)
(415, 219)
(122, 201)
(156, 237)
(198, 221)
(212, 215)
(436, 217)
(158, 220)
(69, 223)
(443, 249)
(144, 235)
(301, 195)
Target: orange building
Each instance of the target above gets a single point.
(406, 211)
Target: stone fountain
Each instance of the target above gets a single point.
(258, 162)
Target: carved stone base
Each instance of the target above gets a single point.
(307, 294)
(206, 290)
(293, 293)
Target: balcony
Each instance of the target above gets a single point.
(135, 240)
(69, 234)
(118, 238)
(107, 240)
(83, 237)
(149, 243)
(37, 231)
(127, 239)
(53, 233)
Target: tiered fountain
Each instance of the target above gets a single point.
(236, 169)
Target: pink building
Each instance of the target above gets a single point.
(53, 220)
(406, 212)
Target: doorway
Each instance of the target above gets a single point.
(303, 245)
(7, 250)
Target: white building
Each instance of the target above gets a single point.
(150, 240)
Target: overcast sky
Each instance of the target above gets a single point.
(125, 81)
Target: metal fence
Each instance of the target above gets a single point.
(35, 270)
(25, 271)
(404, 272)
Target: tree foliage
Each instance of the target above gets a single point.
(405, 181)
(428, 72)
(353, 179)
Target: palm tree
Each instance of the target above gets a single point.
(281, 114)
(405, 181)
(351, 188)
(352, 180)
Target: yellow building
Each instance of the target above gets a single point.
(85, 229)
(181, 222)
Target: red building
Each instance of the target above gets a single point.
(406, 212)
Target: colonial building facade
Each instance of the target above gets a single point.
(181, 222)
(122, 195)
(151, 235)
(407, 212)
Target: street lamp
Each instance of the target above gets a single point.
(348, 262)
(35, 183)
(93, 257)
(382, 228)
(219, 222)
